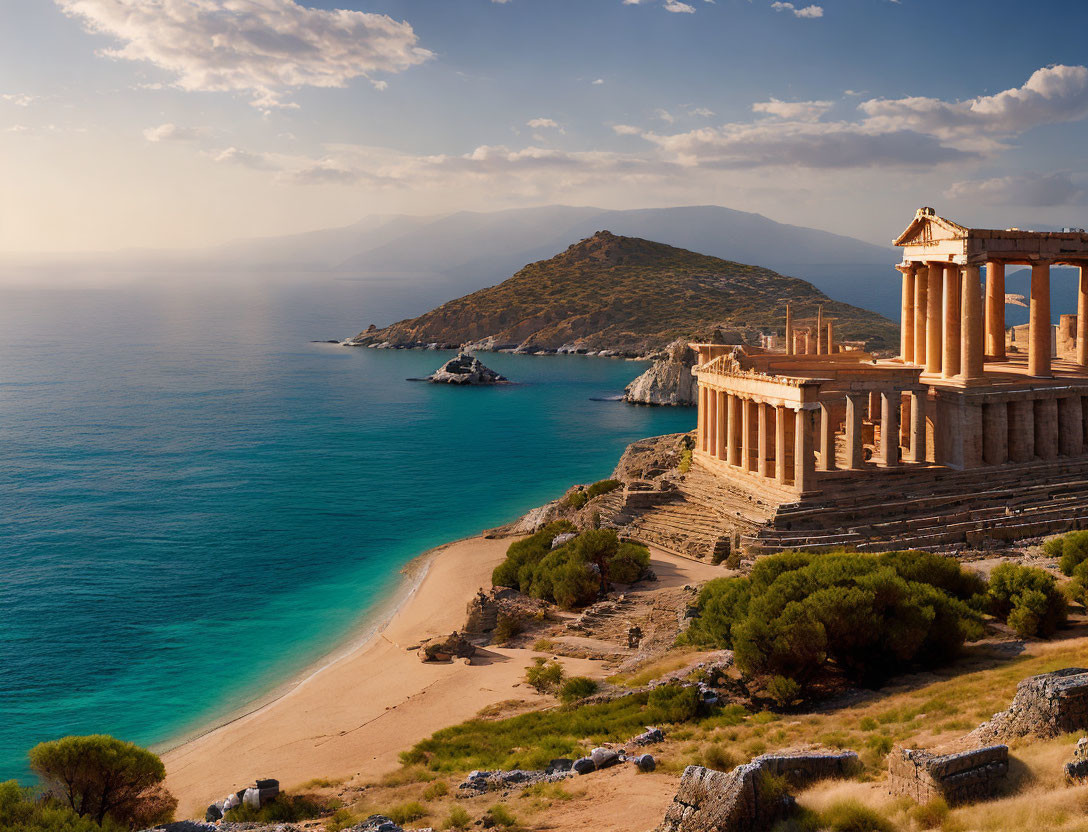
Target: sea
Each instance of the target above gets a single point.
(198, 502)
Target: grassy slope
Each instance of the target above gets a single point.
(631, 294)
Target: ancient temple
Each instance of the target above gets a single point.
(808, 425)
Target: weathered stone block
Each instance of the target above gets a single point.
(956, 778)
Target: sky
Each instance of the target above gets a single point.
(186, 123)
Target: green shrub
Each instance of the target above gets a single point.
(685, 461)
(1072, 548)
(719, 758)
(575, 573)
(674, 702)
(1078, 587)
(544, 675)
(284, 808)
(341, 819)
(101, 777)
(406, 812)
(19, 810)
(930, 815)
(602, 487)
(501, 816)
(798, 614)
(577, 499)
(507, 627)
(784, 691)
(575, 688)
(439, 788)
(458, 818)
(851, 816)
(1027, 599)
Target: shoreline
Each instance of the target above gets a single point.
(369, 627)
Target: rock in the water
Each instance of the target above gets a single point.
(668, 381)
(453, 646)
(584, 765)
(465, 368)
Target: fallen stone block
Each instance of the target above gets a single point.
(1044, 706)
(965, 777)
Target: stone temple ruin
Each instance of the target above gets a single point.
(960, 437)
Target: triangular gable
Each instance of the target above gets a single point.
(927, 227)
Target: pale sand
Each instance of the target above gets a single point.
(352, 717)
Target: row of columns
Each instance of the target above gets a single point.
(942, 319)
(1025, 429)
(774, 441)
(884, 408)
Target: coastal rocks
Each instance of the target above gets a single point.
(668, 381)
(465, 368)
(1044, 706)
(736, 801)
(445, 649)
(960, 778)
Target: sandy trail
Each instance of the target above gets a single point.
(353, 717)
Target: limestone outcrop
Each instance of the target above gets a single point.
(465, 368)
(736, 801)
(1044, 706)
(446, 648)
(968, 776)
(668, 381)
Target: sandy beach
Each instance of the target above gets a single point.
(352, 717)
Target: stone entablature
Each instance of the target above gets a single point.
(960, 778)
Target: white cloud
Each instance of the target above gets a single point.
(19, 99)
(244, 158)
(263, 48)
(626, 130)
(796, 110)
(1051, 95)
(806, 11)
(174, 133)
(598, 81)
(1034, 190)
(541, 123)
(665, 116)
(702, 112)
(677, 7)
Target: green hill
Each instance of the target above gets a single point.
(632, 296)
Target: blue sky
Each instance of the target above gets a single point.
(187, 122)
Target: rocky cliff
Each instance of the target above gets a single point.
(668, 381)
(629, 296)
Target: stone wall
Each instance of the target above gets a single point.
(1044, 706)
(957, 778)
(735, 801)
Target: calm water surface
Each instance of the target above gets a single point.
(196, 502)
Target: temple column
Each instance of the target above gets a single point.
(855, 453)
(916, 451)
(723, 423)
(953, 315)
(1070, 426)
(761, 442)
(889, 428)
(1082, 317)
(734, 429)
(1046, 428)
(971, 354)
(780, 444)
(995, 311)
(790, 347)
(819, 330)
(804, 463)
(806, 346)
(1021, 430)
(906, 330)
(827, 438)
(921, 309)
(934, 325)
(703, 406)
(1039, 329)
(830, 338)
(746, 435)
(995, 433)
(712, 432)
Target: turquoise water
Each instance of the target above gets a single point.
(197, 503)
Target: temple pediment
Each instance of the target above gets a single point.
(927, 228)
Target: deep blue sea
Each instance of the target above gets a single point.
(196, 502)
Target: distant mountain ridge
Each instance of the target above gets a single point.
(628, 295)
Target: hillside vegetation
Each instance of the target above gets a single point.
(632, 296)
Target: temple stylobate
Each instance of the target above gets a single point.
(819, 416)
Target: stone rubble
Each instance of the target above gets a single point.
(1044, 706)
(1077, 769)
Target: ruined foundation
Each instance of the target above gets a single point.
(1044, 706)
(956, 778)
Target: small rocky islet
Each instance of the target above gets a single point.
(465, 369)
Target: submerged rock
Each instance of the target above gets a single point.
(465, 368)
(668, 381)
